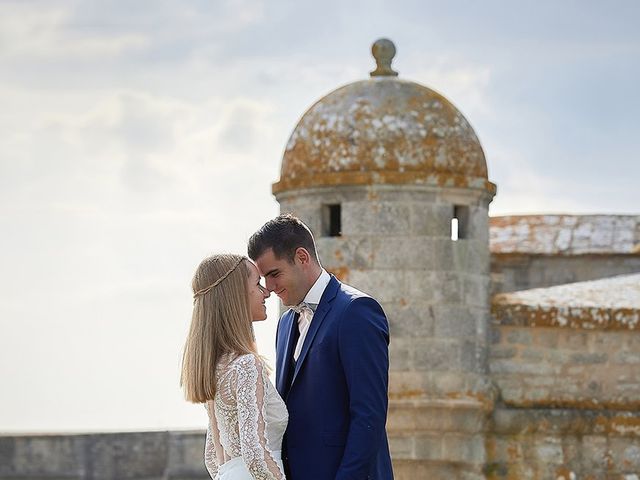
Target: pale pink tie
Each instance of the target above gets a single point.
(304, 320)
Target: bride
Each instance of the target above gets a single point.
(222, 369)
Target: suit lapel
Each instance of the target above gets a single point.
(285, 354)
(318, 317)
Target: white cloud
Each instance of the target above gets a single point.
(42, 33)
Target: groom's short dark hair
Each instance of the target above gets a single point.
(284, 235)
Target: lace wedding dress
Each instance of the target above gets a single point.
(247, 419)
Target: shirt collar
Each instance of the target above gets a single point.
(315, 292)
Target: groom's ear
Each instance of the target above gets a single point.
(302, 256)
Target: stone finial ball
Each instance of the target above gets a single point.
(383, 50)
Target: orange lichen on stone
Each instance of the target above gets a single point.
(619, 425)
(383, 130)
(579, 403)
(406, 394)
(341, 273)
(564, 473)
(487, 401)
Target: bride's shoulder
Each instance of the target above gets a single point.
(247, 361)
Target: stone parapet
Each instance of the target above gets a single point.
(101, 456)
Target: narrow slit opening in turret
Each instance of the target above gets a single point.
(460, 222)
(332, 220)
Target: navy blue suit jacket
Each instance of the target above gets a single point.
(337, 393)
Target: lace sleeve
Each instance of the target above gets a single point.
(210, 460)
(251, 390)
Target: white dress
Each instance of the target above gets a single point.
(247, 419)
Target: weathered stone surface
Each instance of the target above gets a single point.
(564, 234)
(124, 456)
(376, 218)
(383, 285)
(54, 455)
(148, 455)
(431, 219)
(410, 253)
(354, 252)
(452, 321)
(408, 320)
(438, 356)
(186, 454)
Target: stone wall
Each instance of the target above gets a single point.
(148, 456)
(569, 405)
(517, 271)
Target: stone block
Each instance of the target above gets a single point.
(589, 358)
(406, 469)
(516, 367)
(448, 287)
(428, 447)
(443, 254)
(354, 252)
(420, 285)
(477, 258)
(431, 219)
(414, 253)
(545, 337)
(447, 383)
(549, 451)
(626, 358)
(559, 357)
(127, 455)
(463, 449)
(401, 446)
(186, 454)
(409, 385)
(495, 334)
(520, 336)
(383, 285)
(502, 352)
(435, 355)
(594, 452)
(307, 211)
(474, 357)
(409, 320)
(539, 381)
(48, 455)
(532, 354)
(506, 449)
(454, 322)
(400, 354)
(476, 290)
(478, 224)
(625, 453)
(574, 340)
(376, 218)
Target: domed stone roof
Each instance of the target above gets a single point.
(383, 131)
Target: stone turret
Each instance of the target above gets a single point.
(393, 181)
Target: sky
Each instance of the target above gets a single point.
(138, 137)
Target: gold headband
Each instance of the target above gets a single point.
(217, 282)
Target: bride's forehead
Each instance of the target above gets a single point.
(253, 270)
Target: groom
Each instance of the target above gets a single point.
(332, 361)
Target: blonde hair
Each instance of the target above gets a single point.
(220, 323)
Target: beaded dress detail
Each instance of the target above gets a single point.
(247, 419)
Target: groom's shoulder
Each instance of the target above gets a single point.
(350, 293)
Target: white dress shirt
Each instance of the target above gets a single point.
(306, 316)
